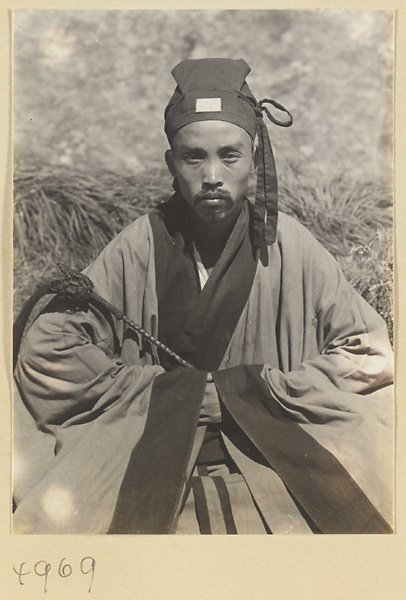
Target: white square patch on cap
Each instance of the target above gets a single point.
(208, 105)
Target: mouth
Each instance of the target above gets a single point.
(214, 201)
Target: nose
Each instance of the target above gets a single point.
(212, 175)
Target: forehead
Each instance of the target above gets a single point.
(211, 135)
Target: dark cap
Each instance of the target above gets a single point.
(211, 89)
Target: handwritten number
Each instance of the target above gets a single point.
(89, 570)
(20, 573)
(42, 569)
(47, 568)
(64, 570)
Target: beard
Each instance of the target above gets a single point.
(213, 213)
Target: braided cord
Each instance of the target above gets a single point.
(156, 342)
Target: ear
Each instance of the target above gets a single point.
(254, 155)
(169, 162)
(254, 162)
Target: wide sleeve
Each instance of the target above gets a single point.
(86, 385)
(326, 337)
(330, 337)
(66, 369)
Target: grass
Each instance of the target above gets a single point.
(72, 214)
(68, 215)
(341, 213)
(369, 269)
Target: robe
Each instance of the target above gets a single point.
(107, 430)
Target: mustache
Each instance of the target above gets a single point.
(206, 195)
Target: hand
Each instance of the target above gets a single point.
(210, 411)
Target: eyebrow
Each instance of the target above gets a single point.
(184, 149)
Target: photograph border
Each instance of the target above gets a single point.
(155, 567)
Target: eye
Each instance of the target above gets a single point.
(231, 156)
(193, 158)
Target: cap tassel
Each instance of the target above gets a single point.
(266, 200)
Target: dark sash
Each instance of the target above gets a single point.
(153, 483)
(315, 478)
(198, 326)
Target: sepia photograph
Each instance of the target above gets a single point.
(203, 272)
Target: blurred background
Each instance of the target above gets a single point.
(90, 88)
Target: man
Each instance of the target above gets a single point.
(284, 423)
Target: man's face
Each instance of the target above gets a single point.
(213, 162)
